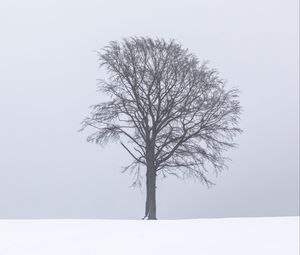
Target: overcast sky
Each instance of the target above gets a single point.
(48, 80)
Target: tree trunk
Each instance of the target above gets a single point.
(151, 195)
(150, 210)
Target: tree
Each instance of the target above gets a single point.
(173, 111)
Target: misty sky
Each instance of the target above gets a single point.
(48, 80)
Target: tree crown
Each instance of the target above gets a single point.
(173, 110)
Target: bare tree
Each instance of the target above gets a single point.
(173, 111)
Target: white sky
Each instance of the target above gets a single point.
(48, 80)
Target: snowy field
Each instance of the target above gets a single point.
(232, 236)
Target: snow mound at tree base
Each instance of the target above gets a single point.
(232, 236)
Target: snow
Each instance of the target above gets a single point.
(240, 236)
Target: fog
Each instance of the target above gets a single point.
(48, 80)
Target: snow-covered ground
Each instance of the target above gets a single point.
(232, 236)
